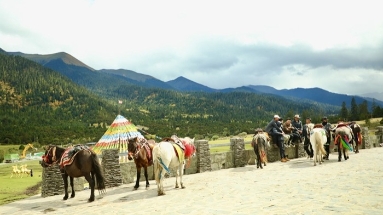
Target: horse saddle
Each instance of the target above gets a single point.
(178, 142)
(70, 153)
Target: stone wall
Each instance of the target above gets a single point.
(53, 184)
(117, 173)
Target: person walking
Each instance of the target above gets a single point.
(327, 127)
(306, 135)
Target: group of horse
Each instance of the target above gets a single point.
(347, 137)
(20, 172)
(170, 153)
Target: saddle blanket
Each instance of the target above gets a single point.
(144, 143)
(70, 153)
(179, 152)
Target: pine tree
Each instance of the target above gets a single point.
(363, 110)
(343, 112)
(354, 113)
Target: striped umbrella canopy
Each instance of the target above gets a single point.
(117, 135)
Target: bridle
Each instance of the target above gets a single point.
(136, 152)
(50, 157)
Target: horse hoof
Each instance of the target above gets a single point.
(90, 199)
(261, 167)
(134, 188)
(161, 193)
(338, 160)
(177, 186)
(65, 197)
(72, 196)
(183, 187)
(257, 167)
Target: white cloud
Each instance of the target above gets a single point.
(233, 43)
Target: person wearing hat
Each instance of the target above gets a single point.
(275, 131)
(288, 129)
(297, 124)
(327, 127)
(306, 135)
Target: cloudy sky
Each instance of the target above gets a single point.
(334, 45)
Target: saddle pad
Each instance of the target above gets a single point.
(148, 153)
(179, 152)
(69, 155)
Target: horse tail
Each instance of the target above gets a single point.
(158, 163)
(321, 146)
(157, 172)
(359, 138)
(261, 144)
(97, 170)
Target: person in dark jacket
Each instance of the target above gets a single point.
(297, 124)
(306, 135)
(275, 130)
(327, 127)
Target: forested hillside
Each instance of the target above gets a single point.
(38, 104)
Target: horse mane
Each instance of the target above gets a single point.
(318, 126)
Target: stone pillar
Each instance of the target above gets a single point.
(237, 145)
(379, 134)
(300, 151)
(52, 182)
(111, 168)
(203, 156)
(366, 143)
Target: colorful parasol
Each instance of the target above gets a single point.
(117, 135)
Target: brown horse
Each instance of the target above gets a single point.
(140, 150)
(84, 162)
(260, 143)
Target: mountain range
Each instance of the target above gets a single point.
(87, 76)
(179, 106)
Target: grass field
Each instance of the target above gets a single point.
(16, 188)
(219, 149)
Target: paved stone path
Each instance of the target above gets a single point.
(354, 186)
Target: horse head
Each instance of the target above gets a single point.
(188, 143)
(133, 148)
(189, 146)
(50, 156)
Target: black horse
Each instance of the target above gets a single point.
(85, 163)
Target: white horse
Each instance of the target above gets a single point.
(16, 171)
(24, 169)
(171, 153)
(317, 139)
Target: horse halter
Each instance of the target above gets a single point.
(135, 153)
(48, 158)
